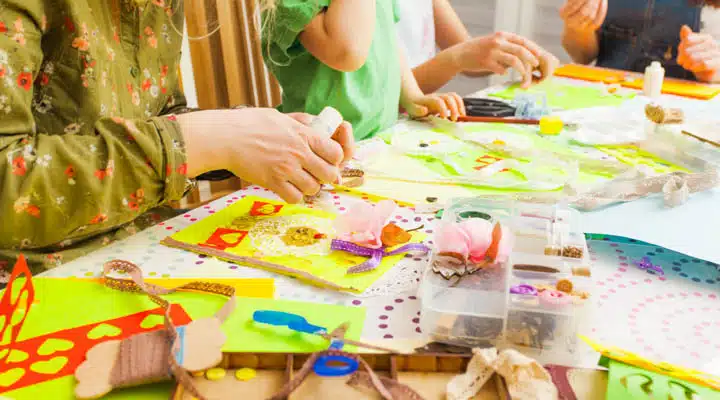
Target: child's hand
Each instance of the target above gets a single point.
(500, 51)
(584, 15)
(446, 105)
(699, 53)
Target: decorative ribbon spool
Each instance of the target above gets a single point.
(661, 115)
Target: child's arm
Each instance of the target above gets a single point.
(418, 104)
(479, 56)
(340, 37)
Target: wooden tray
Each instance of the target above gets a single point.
(428, 374)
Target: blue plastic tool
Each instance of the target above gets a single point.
(326, 365)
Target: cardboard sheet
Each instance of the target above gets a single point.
(254, 232)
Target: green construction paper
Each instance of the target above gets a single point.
(662, 386)
(68, 303)
(567, 96)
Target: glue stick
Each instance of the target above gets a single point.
(654, 76)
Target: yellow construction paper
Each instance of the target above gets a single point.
(686, 374)
(232, 233)
(244, 287)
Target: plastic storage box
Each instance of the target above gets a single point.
(536, 301)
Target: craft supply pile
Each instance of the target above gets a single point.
(478, 222)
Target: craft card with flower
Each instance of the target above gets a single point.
(346, 253)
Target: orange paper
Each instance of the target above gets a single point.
(676, 87)
(592, 74)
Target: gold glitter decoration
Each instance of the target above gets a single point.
(300, 236)
(244, 223)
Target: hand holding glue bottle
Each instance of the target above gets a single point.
(327, 123)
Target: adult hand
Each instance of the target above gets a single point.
(264, 147)
(446, 105)
(584, 15)
(500, 51)
(343, 135)
(699, 53)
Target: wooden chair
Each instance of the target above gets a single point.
(228, 69)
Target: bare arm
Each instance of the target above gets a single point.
(581, 45)
(449, 29)
(450, 34)
(341, 36)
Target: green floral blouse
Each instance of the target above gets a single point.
(88, 142)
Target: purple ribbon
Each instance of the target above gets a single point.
(376, 255)
(527, 290)
(646, 264)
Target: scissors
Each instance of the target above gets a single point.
(475, 107)
(328, 365)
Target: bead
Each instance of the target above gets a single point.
(245, 374)
(572, 252)
(564, 285)
(215, 374)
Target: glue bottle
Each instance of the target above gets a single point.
(654, 76)
(327, 122)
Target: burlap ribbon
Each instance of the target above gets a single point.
(675, 187)
(137, 284)
(525, 378)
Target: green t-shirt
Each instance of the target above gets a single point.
(368, 98)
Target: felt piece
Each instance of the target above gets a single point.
(567, 96)
(695, 90)
(15, 304)
(72, 345)
(674, 371)
(243, 335)
(628, 382)
(676, 87)
(592, 74)
(325, 268)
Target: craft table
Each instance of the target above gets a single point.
(674, 318)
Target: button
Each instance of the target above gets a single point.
(245, 374)
(215, 374)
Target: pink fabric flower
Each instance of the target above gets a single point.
(362, 224)
(480, 233)
(475, 240)
(452, 239)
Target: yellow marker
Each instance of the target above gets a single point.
(215, 374)
(550, 125)
(245, 374)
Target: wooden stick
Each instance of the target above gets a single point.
(499, 120)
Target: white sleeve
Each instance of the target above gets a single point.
(711, 22)
(416, 30)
